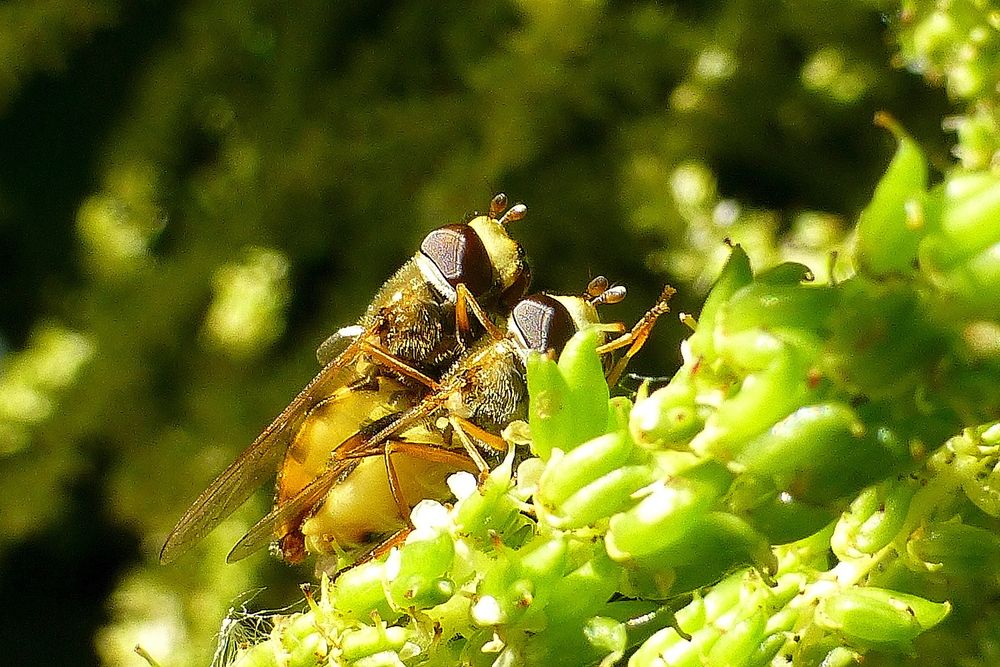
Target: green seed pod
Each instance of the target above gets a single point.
(360, 590)
(667, 648)
(549, 409)
(879, 616)
(619, 414)
(822, 452)
(736, 645)
(663, 518)
(583, 592)
(775, 386)
(371, 640)
(568, 474)
(969, 211)
(764, 306)
(381, 659)
(874, 519)
(786, 273)
(263, 654)
(715, 544)
(735, 274)
(959, 550)
(889, 230)
(420, 581)
(581, 367)
(669, 416)
(601, 498)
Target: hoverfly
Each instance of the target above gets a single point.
(415, 327)
(366, 489)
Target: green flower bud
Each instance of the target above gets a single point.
(877, 615)
(668, 416)
(582, 592)
(841, 656)
(488, 509)
(619, 414)
(545, 560)
(737, 644)
(370, 640)
(416, 573)
(581, 367)
(607, 636)
(957, 549)
(778, 515)
(601, 498)
(823, 452)
(310, 651)
(775, 386)
(715, 544)
(735, 274)
(549, 409)
(765, 306)
(663, 518)
(260, 655)
(786, 273)
(381, 659)
(888, 229)
(721, 599)
(359, 591)
(981, 482)
(568, 474)
(875, 518)
(769, 647)
(976, 281)
(504, 593)
(969, 211)
(667, 648)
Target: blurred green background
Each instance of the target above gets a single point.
(193, 195)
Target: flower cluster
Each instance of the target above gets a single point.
(820, 480)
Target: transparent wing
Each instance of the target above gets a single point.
(288, 516)
(259, 461)
(335, 345)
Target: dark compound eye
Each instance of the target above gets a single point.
(460, 256)
(543, 322)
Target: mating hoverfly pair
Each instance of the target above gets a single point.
(418, 389)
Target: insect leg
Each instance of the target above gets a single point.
(490, 439)
(421, 451)
(396, 364)
(637, 337)
(464, 302)
(384, 547)
(460, 425)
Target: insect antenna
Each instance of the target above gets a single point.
(599, 292)
(497, 205)
(516, 212)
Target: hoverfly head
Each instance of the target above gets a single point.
(479, 254)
